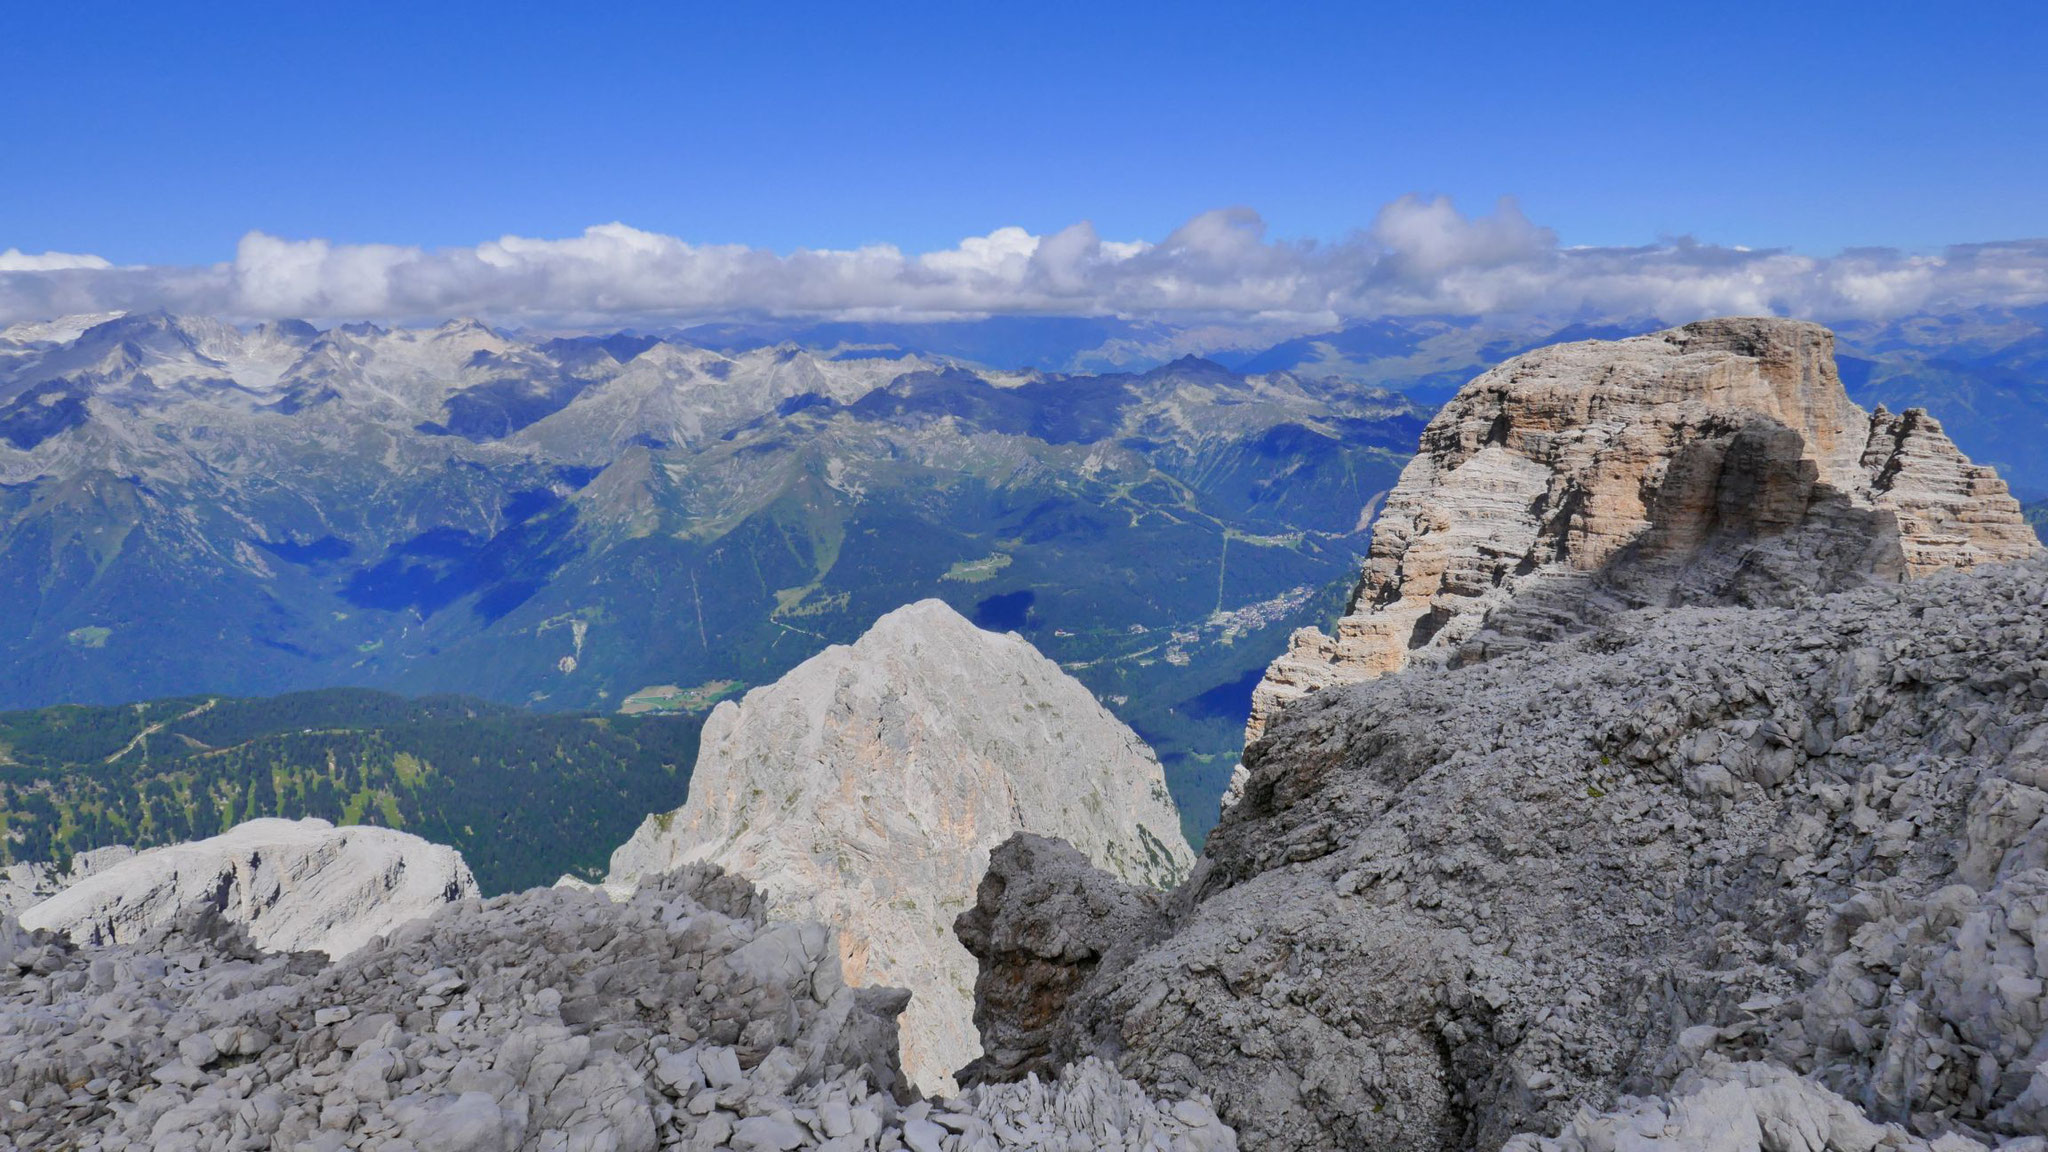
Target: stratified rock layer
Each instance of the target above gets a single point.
(543, 1021)
(1454, 905)
(1717, 463)
(25, 884)
(299, 886)
(865, 789)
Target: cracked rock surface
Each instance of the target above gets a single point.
(547, 1020)
(1589, 878)
(298, 885)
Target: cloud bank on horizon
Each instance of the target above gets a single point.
(1419, 257)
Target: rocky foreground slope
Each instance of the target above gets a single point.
(548, 1020)
(298, 886)
(865, 789)
(1802, 847)
(1716, 463)
(1606, 867)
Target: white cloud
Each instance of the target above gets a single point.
(1418, 256)
(15, 260)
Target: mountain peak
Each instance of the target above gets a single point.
(1717, 462)
(913, 751)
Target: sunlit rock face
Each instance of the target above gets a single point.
(1716, 463)
(865, 789)
(298, 886)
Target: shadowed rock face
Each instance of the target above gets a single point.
(1717, 463)
(1778, 866)
(1043, 921)
(865, 789)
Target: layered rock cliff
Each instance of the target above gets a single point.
(1777, 869)
(865, 789)
(1716, 463)
(298, 885)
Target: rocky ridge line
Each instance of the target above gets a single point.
(1716, 463)
(299, 885)
(25, 884)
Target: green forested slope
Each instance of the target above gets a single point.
(525, 796)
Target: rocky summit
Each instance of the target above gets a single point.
(1716, 463)
(298, 886)
(1784, 864)
(552, 1020)
(865, 789)
(1679, 778)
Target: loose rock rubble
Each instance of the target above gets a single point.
(1725, 1105)
(547, 1020)
(1454, 905)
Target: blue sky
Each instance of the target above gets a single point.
(161, 134)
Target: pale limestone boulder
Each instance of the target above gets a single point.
(1731, 1107)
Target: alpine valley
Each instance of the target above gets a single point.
(636, 523)
(1673, 780)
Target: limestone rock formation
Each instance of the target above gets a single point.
(1042, 922)
(865, 789)
(1716, 463)
(1702, 870)
(542, 1021)
(1729, 1105)
(299, 885)
(27, 883)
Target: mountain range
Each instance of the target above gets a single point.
(656, 521)
(634, 521)
(1980, 370)
(1675, 778)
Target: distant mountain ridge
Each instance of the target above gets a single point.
(187, 506)
(570, 521)
(1983, 371)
